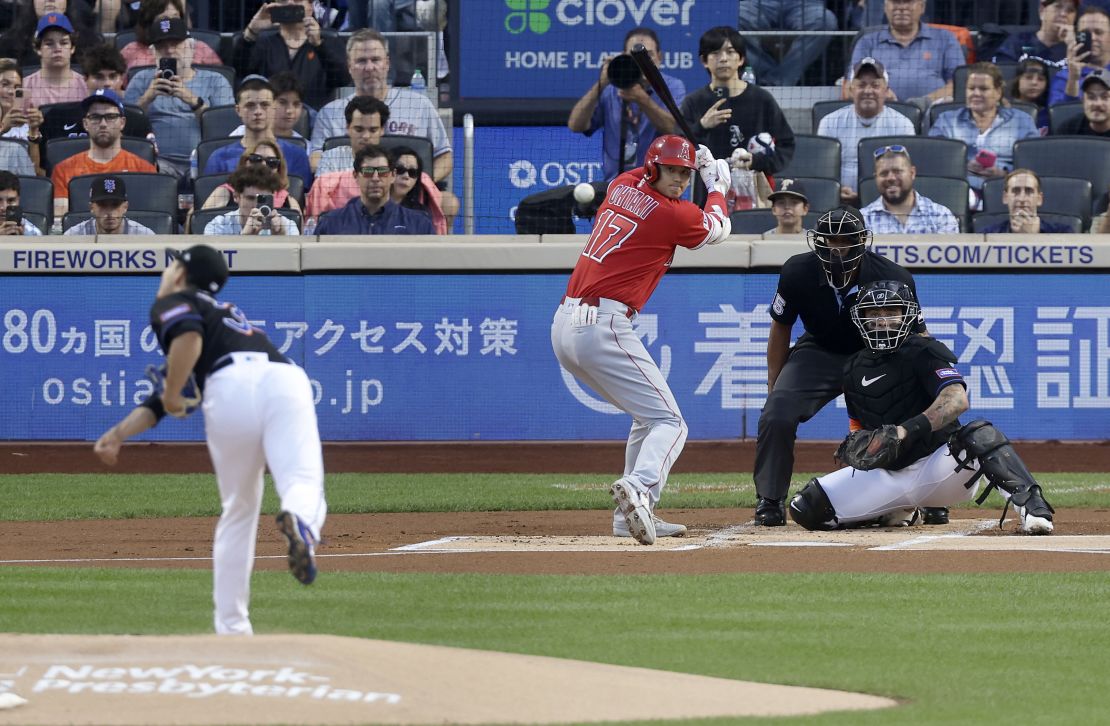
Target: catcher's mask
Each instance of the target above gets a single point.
(840, 239)
(670, 149)
(884, 332)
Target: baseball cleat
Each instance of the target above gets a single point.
(662, 529)
(633, 505)
(770, 512)
(302, 547)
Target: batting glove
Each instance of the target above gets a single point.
(717, 176)
(704, 157)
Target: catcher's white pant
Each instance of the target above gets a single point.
(931, 481)
(258, 413)
(608, 357)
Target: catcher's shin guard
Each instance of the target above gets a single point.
(812, 509)
(1000, 464)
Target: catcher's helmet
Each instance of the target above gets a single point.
(670, 149)
(840, 239)
(884, 333)
(205, 267)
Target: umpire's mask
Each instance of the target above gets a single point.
(839, 240)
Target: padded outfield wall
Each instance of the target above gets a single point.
(440, 339)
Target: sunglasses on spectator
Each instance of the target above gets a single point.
(892, 149)
(271, 161)
(369, 171)
(412, 171)
(98, 117)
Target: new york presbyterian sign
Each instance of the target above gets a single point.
(555, 48)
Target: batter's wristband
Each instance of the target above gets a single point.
(917, 427)
(154, 403)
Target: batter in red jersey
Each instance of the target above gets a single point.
(634, 238)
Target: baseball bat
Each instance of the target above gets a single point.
(655, 78)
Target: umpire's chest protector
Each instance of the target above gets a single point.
(883, 389)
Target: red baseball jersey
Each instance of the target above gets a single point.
(635, 234)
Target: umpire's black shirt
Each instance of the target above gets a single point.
(805, 292)
(222, 326)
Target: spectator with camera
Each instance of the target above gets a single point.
(736, 120)
(410, 113)
(103, 123)
(254, 102)
(900, 209)
(296, 46)
(988, 128)
(1095, 120)
(1048, 42)
(806, 15)
(18, 41)
(1021, 193)
(18, 120)
(253, 189)
(265, 154)
(1088, 50)
(108, 204)
(868, 116)
(373, 211)
(920, 59)
(55, 81)
(104, 69)
(139, 51)
(174, 94)
(623, 105)
(12, 221)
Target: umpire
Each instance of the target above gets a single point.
(819, 287)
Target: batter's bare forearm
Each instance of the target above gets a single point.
(949, 404)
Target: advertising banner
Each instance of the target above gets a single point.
(468, 357)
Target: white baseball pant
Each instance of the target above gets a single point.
(258, 413)
(608, 357)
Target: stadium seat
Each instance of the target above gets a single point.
(39, 220)
(821, 109)
(984, 220)
(823, 194)
(203, 187)
(336, 141)
(814, 156)
(420, 144)
(947, 192)
(932, 155)
(36, 195)
(201, 218)
(1062, 113)
(1076, 157)
(758, 221)
(205, 149)
(145, 192)
(58, 150)
(158, 222)
(1062, 195)
(218, 122)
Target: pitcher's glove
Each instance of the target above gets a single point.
(874, 449)
(191, 393)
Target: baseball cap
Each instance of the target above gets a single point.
(108, 189)
(1101, 75)
(53, 20)
(102, 95)
(789, 188)
(168, 29)
(205, 266)
(874, 65)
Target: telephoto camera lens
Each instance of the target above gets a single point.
(623, 71)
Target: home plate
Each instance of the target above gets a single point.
(550, 543)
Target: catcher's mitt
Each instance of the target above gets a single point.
(874, 449)
(191, 393)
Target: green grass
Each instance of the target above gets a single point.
(123, 496)
(958, 649)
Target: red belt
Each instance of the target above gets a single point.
(596, 302)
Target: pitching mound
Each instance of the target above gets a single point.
(69, 679)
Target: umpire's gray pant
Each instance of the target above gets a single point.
(810, 379)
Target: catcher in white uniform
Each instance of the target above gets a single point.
(258, 412)
(907, 448)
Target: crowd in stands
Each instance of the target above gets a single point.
(290, 126)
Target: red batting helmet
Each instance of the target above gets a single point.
(669, 149)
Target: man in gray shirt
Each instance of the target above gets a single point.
(173, 97)
(108, 202)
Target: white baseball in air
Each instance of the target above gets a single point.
(584, 193)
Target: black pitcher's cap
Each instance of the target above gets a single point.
(205, 266)
(168, 29)
(108, 189)
(789, 188)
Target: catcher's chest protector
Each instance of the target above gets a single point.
(884, 389)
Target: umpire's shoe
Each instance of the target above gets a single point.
(770, 512)
(934, 515)
(302, 547)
